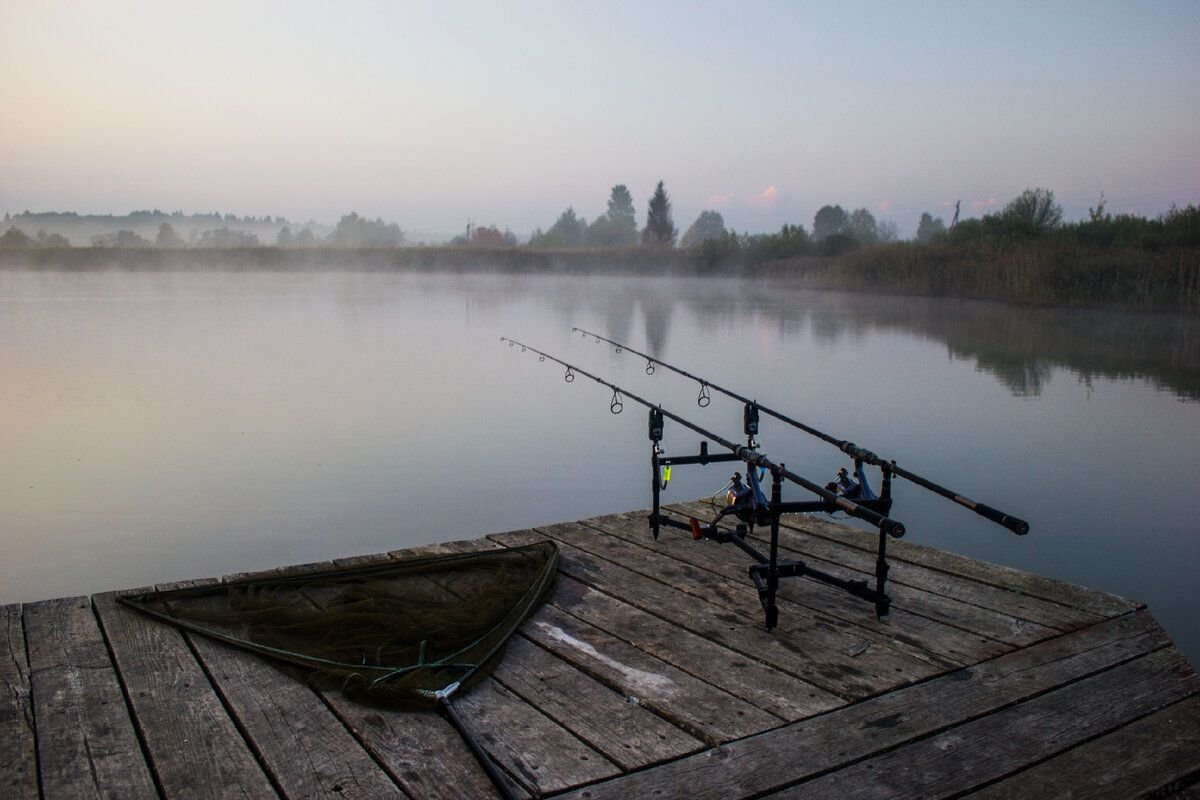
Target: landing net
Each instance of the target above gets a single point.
(404, 634)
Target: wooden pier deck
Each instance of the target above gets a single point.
(647, 674)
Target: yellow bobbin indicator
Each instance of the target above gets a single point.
(666, 475)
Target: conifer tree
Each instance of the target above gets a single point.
(660, 230)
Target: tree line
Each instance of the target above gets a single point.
(707, 240)
(1034, 215)
(350, 231)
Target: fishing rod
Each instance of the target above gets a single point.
(749, 455)
(770, 568)
(1017, 526)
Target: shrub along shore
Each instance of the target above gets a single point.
(1040, 273)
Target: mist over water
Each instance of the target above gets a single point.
(166, 426)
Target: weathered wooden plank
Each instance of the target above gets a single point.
(86, 742)
(819, 649)
(624, 732)
(911, 575)
(766, 689)
(1085, 599)
(540, 754)
(654, 737)
(303, 746)
(18, 767)
(421, 753)
(919, 635)
(1151, 756)
(780, 758)
(702, 710)
(420, 749)
(194, 746)
(444, 548)
(991, 619)
(762, 686)
(363, 560)
(974, 753)
(279, 572)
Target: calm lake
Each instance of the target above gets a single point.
(165, 426)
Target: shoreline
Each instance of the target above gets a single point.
(1032, 276)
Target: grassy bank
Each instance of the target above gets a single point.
(1035, 273)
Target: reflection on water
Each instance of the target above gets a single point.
(1023, 347)
(159, 427)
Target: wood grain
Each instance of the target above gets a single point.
(195, 748)
(18, 772)
(87, 746)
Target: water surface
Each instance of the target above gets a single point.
(164, 426)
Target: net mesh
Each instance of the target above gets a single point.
(401, 634)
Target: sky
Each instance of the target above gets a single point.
(435, 114)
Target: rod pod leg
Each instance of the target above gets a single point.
(772, 610)
(655, 489)
(883, 603)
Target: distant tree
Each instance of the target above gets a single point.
(861, 226)
(122, 238)
(886, 231)
(226, 237)
(131, 239)
(305, 238)
(717, 251)
(1033, 212)
(929, 227)
(285, 238)
(709, 225)
(1182, 225)
(15, 238)
(355, 231)
(52, 240)
(829, 221)
(791, 241)
(617, 227)
(837, 244)
(660, 230)
(488, 236)
(568, 230)
(167, 237)
(623, 215)
(599, 233)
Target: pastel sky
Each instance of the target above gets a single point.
(430, 114)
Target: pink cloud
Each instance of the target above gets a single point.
(885, 207)
(720, 199)
(764, 199)
(979, 205)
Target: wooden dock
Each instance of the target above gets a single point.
(647, 674)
